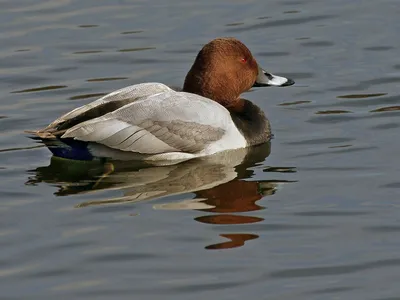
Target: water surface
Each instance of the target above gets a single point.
(314, 215)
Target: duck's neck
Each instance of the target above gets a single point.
(251, 122)
(248, 117)
(202, 82)
(195, 80)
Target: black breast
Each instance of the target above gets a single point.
(252, 124)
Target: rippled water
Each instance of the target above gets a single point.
(314, 215)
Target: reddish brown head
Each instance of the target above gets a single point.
(225, 68)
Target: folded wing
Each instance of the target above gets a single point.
(107, 103)
(166, 122)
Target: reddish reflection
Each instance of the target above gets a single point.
(236, 240)
(224, 193)
(234, 196)
(228, 219)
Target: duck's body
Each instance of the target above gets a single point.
(154, 122)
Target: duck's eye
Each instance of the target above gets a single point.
(243, 60)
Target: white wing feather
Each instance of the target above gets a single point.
(131, 92)
(166, 122)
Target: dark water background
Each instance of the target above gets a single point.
(319, 218)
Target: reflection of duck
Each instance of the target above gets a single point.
(236, 196)
(139, 181)
(236, 240)
(217, 181)
(157, 123)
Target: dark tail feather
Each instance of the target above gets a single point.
(65, 148)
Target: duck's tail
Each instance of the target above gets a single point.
(64, 148)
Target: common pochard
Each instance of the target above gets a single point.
(154, 122)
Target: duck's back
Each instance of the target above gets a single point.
(165, 122)
(151, 119)
(109, 102)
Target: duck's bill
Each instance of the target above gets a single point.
(267, 79)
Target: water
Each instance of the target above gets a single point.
(316, 216)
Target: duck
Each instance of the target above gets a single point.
(153, 122)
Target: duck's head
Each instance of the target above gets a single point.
(224, 68)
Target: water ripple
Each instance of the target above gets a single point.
(321, 141)
(330, 213)
(335, 270)
(86, 96)
(106, 79)
(279, 23)
(41, 89)
(120, 257)
(383, 229)
(318, 44)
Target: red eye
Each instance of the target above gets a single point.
(243, 60)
